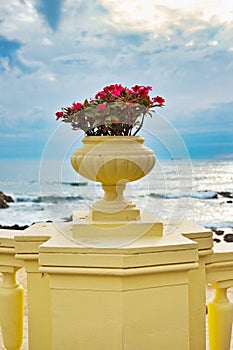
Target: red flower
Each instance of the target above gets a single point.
(77, 106)
(100, 94)
(158, 99)
(142, 90)
(59, 115)
(115, 90)
(132, 102)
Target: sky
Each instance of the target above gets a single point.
(55, 52)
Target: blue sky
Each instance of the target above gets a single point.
(54, 52)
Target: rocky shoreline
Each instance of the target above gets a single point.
(224, 234)
(13, 227)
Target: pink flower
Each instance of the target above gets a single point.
(59, 115)
(116, 90)
(101, 107)
(130, 91)
(158, 99)
(77, 106)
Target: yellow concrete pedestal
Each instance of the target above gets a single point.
(114, 297)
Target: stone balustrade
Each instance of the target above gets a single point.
(11, 293)
(219, 267)
(89, 293)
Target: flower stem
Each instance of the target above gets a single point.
(141, 124)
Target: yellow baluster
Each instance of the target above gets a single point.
(11, 310)
(220, 316)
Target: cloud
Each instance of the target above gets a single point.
(161, 14)
(50, 60)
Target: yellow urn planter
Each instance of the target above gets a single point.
(113, 161)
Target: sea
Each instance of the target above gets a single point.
(50, 190)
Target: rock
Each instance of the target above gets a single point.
(3, 203)
(226, 194)
(219, 232)
(14, 227)
(68, 219)
(217, 240)
(229, 201)
(228, 237)
(4, 199)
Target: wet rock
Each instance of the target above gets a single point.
(68, 219)
(4, 199)
(228, 237)
(13, 227)
(3, 203)
(218, 232)
(226, 194)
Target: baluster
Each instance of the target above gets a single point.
(11, 310)
(220, 316)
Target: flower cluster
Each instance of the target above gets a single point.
(115, 111)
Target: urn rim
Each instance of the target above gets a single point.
(94, 139)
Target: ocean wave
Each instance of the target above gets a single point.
(202, 195)
(47, 199)
(156, 195)
(218, 225)
(166, 196)
(75, 183)
(25, 199)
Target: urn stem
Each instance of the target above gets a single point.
(114, 192)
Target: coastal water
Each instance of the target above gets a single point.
(201, 191)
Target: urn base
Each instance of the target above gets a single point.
(127, 214)
(97, 232)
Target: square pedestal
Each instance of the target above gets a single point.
(83, 228)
